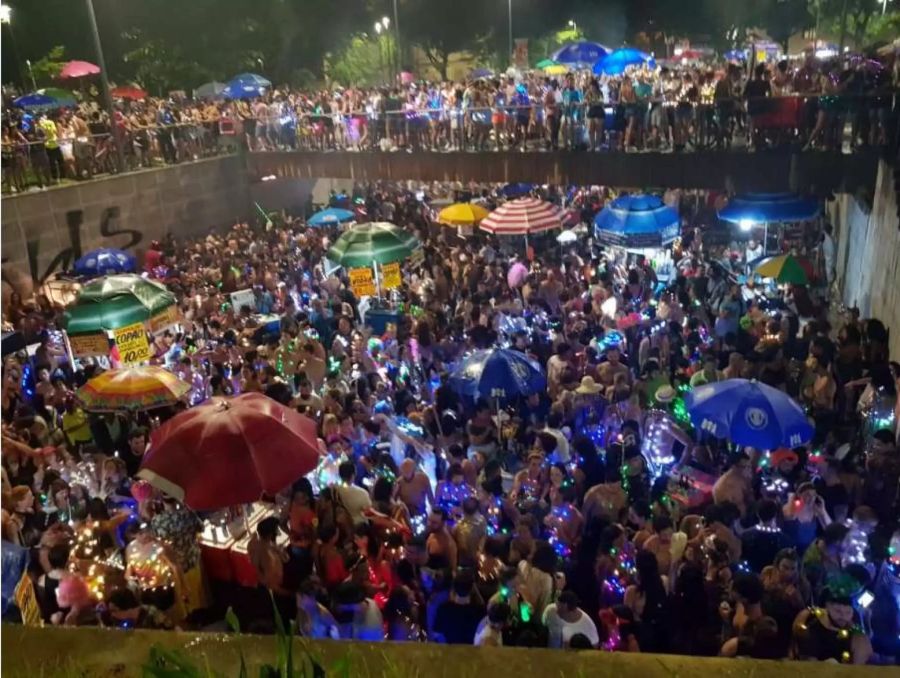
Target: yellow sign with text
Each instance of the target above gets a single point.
(164, 319)
(362, 282)
(132, 344)
(391, 276)
(87, 345)
(26, 601)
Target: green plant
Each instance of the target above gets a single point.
(164, 663)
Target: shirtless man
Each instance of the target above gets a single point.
(606, 372)
(413, 488)
(441, 547)
(734, 485)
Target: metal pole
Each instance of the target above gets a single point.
(397, 40)
(104, 83)
(509, 5)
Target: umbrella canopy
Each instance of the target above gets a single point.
(78, 69)
(105, 261)
(616, 62)
(210, 90)
(367, 243)
(567, 237)
(523, 217)
(128, 92)
(546, 63)
(230, 451)
(330, 216)
(478, 73)
(583, 52)
(761, 208)
(637, 221)
(784, 269)
(517, 190)
(246, 85)
(462, 214)
(37, 102)
(132, 388)
(116, 301)
(748, 413)
(497, 373)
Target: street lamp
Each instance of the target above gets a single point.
(5, 14)
(573, 25)
(509, 7)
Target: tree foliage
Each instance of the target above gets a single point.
(47, 69)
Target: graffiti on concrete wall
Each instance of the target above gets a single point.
(69, 253)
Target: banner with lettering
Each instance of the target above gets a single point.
(362, 282)
(132, 344)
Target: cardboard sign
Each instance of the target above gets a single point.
(391, 275)
(362, 282)
(89, 345)
(26, 601)
(243, 298)
(164, 319)
(132, 344)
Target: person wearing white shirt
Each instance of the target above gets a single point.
(753, 252)
(828, 253)
(565, 619)
(354, 498)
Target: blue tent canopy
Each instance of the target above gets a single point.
(772, 208)
(583, 52)
(637, 221)
(330, 216)
(616, 62)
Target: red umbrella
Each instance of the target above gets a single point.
(78, 69)
(230, 451)
(128, 92)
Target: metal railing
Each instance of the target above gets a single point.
(839, 123)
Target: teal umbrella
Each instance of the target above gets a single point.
(366, 244)
(116, 301)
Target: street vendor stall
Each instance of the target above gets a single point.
(117, 312)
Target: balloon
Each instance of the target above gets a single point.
(141, 490)
(516, 275)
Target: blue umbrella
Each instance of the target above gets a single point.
(616, 62)
(736, 55)
(246, 85)
(583, 52)
(330, 216)
(748, 413)
(765, 208)
(497, 373)
(637, 221)
(517, 190)
(480, 73)
(39, 102)
(105, 261)
(14, 561)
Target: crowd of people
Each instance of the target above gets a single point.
(677, 107)
(543, 520)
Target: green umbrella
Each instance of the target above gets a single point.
(63, 96)
(366, 244)
(544, 63)
(116, 301)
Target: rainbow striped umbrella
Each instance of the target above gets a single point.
(523, 217)
(132, 388)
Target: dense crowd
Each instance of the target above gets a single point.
(543, 520)
(677, 107)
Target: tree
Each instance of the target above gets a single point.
(441, 28)
(851, 18)
(362, 62)
(47, 69)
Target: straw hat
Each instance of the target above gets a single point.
(665, 394)
(588, 386)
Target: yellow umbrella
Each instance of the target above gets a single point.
(132, 388)
(556, 69)
(462, 214)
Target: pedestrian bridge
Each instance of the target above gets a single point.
(812, 171)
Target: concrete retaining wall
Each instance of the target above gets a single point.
(45, 231)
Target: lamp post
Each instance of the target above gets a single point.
(385, 26)
(573, 26)
(104, 83)
(6, 20)
(378, 29)
(397, 36)
(509, 7)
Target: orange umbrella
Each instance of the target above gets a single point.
(128, 92)
(132, 388)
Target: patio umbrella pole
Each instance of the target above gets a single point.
(377, 280)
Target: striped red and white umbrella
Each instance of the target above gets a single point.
(523, 217)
